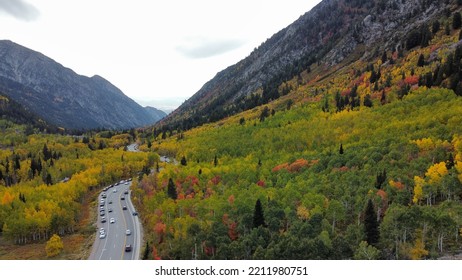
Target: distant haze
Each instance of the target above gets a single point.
(159, 53)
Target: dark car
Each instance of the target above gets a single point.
(128, 248)
(135, 213)
(124, 207)
(122, 198)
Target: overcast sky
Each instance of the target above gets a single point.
(159, 53)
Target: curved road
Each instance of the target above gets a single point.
(112, 246)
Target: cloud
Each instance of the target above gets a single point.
(203, 48)
(19, 9)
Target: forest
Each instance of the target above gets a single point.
(46, 178)
(361, 160)
(365, 163)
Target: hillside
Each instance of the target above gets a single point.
(327, 35)
(357, 157)
(13, 112)
(63, 98)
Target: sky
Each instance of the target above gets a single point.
(159, 53)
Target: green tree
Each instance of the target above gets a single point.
(371, 226)
(456, 20)
(367, 101)
(171, 190)
(366, 252)
(421, 61)
(183, 161)
(258, 216)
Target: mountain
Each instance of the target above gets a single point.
(63, 97)
(333, 34)
(354, 153)
(14, 112)
(155, 113)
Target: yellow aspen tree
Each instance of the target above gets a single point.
(418, 189)
(54, 246)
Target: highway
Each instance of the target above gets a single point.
(112, 245)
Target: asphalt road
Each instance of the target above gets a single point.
(112, 246)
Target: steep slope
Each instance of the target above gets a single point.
(155, 113)
(63, 97)
(326, 35)
(14, 112)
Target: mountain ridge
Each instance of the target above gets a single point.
(64, 97)
(327, 35)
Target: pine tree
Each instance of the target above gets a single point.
(258, 216)
(450, 162)
(384, 57)
(340, 150)
(456, 20)
(171, 190)
(215, 161)
(367, 101)
(183, 161)
(371, 225)
(421, 61)
(146, 251)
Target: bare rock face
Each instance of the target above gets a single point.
(327, 34)
(63, 97)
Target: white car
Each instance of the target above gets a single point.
(102, 235)
(114, 191)
(112, 220)
(128, 232)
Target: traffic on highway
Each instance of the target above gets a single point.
(118, 235)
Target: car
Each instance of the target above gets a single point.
(114, 191)
(103, 219)
(112, 220)
(128, 232)
(121, 182)
(122, 198)
(124, 207)
(128, 248)
(101, 213)
(129, 179)
(126, 192)
(101, 204)
(101, 208)
(110, 210)
(110, 201)
(135, 213)
(102, 235)
(116, 184)
(126, 183)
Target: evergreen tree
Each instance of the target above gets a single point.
(215, 161)
(183, 161)
(384, 57)
(450, 162)
(340, 150)
(48, 180)
(456, 20)
(421, 61)
(371, 225)
(258, 216)
(171, 190)
(146, 251)
(383, 98)
(435, 26)
(367, 101)
(46, 153)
